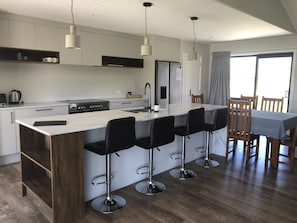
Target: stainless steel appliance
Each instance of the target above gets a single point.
(168, 83)
(14, 97)
(2, 100)
(87, 105)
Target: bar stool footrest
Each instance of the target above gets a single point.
(207, 163)
(182, 174)
(102, 205)
(145, 187)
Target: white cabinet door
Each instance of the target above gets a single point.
(128, 47)
(8, 140)
(22, 34)
(91, 49)
(4, 37)
(108, 45)
(68, 56)
(47, 37)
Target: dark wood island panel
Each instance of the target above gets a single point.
(52, 168)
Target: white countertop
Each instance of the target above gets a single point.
(95, 120)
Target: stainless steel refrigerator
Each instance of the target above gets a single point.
(168, 78)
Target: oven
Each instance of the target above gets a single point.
(86, 105)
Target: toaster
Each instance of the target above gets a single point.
(2, 100)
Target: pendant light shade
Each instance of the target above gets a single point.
(146, 48)
(192, 55)
(72, 40)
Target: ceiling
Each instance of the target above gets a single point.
(219, 20)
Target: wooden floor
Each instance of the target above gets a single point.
(229, 193)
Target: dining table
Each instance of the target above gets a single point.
(274, 125)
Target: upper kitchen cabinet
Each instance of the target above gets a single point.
(95, 45)
(108, 45)
(4, 37)
(22, 34)
(167, 49)
(91, 49)
(47, 37)
(129, 47)
(68, 56)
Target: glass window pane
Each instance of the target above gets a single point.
(242, 76)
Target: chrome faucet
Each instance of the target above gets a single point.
(147, 84)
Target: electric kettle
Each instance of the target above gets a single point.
(14, 97)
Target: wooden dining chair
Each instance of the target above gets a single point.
(253, 99)
(272, 104)
(290, 143)
(199, 98)
(239, 128)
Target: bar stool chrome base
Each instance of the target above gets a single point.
(106, 206)
(145, 187)
(182, 174)
(207, 163)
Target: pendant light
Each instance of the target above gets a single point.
(72, 40)
(146, 48)
(192, 55)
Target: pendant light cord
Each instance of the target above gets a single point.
(72, 12)
(194, 41)
(145, 21)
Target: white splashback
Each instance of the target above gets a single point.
(42, 82)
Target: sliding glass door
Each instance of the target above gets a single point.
(266, 75)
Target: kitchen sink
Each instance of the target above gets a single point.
(137, 110)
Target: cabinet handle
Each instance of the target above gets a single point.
(12, 117)
(44, 109)
(126, 103)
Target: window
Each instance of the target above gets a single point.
(266, 75)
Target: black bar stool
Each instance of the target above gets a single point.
(161, 133)
(219, 122)
(194, 124)
(119, 135)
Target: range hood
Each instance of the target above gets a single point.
(121, 62)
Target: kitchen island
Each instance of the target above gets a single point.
(57, 169)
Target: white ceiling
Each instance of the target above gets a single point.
(219, 20)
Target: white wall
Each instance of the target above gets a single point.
(42, 82)
(278, 44)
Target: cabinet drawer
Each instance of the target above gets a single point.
(42, 111)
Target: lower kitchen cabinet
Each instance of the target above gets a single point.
(52, 169)
(8, 140)
(128, 103)
(9, 130)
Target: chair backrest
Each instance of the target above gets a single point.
(198, 98)
(239, 119)
(120, 134)
(272, 104)
(162, 131)
(253, 99)
(195, 121)
(220, 119)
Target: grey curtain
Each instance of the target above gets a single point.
(219, 90)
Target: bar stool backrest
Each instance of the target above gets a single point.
(120, 134)
(220, 119)
(162, 131)
(195, 121)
